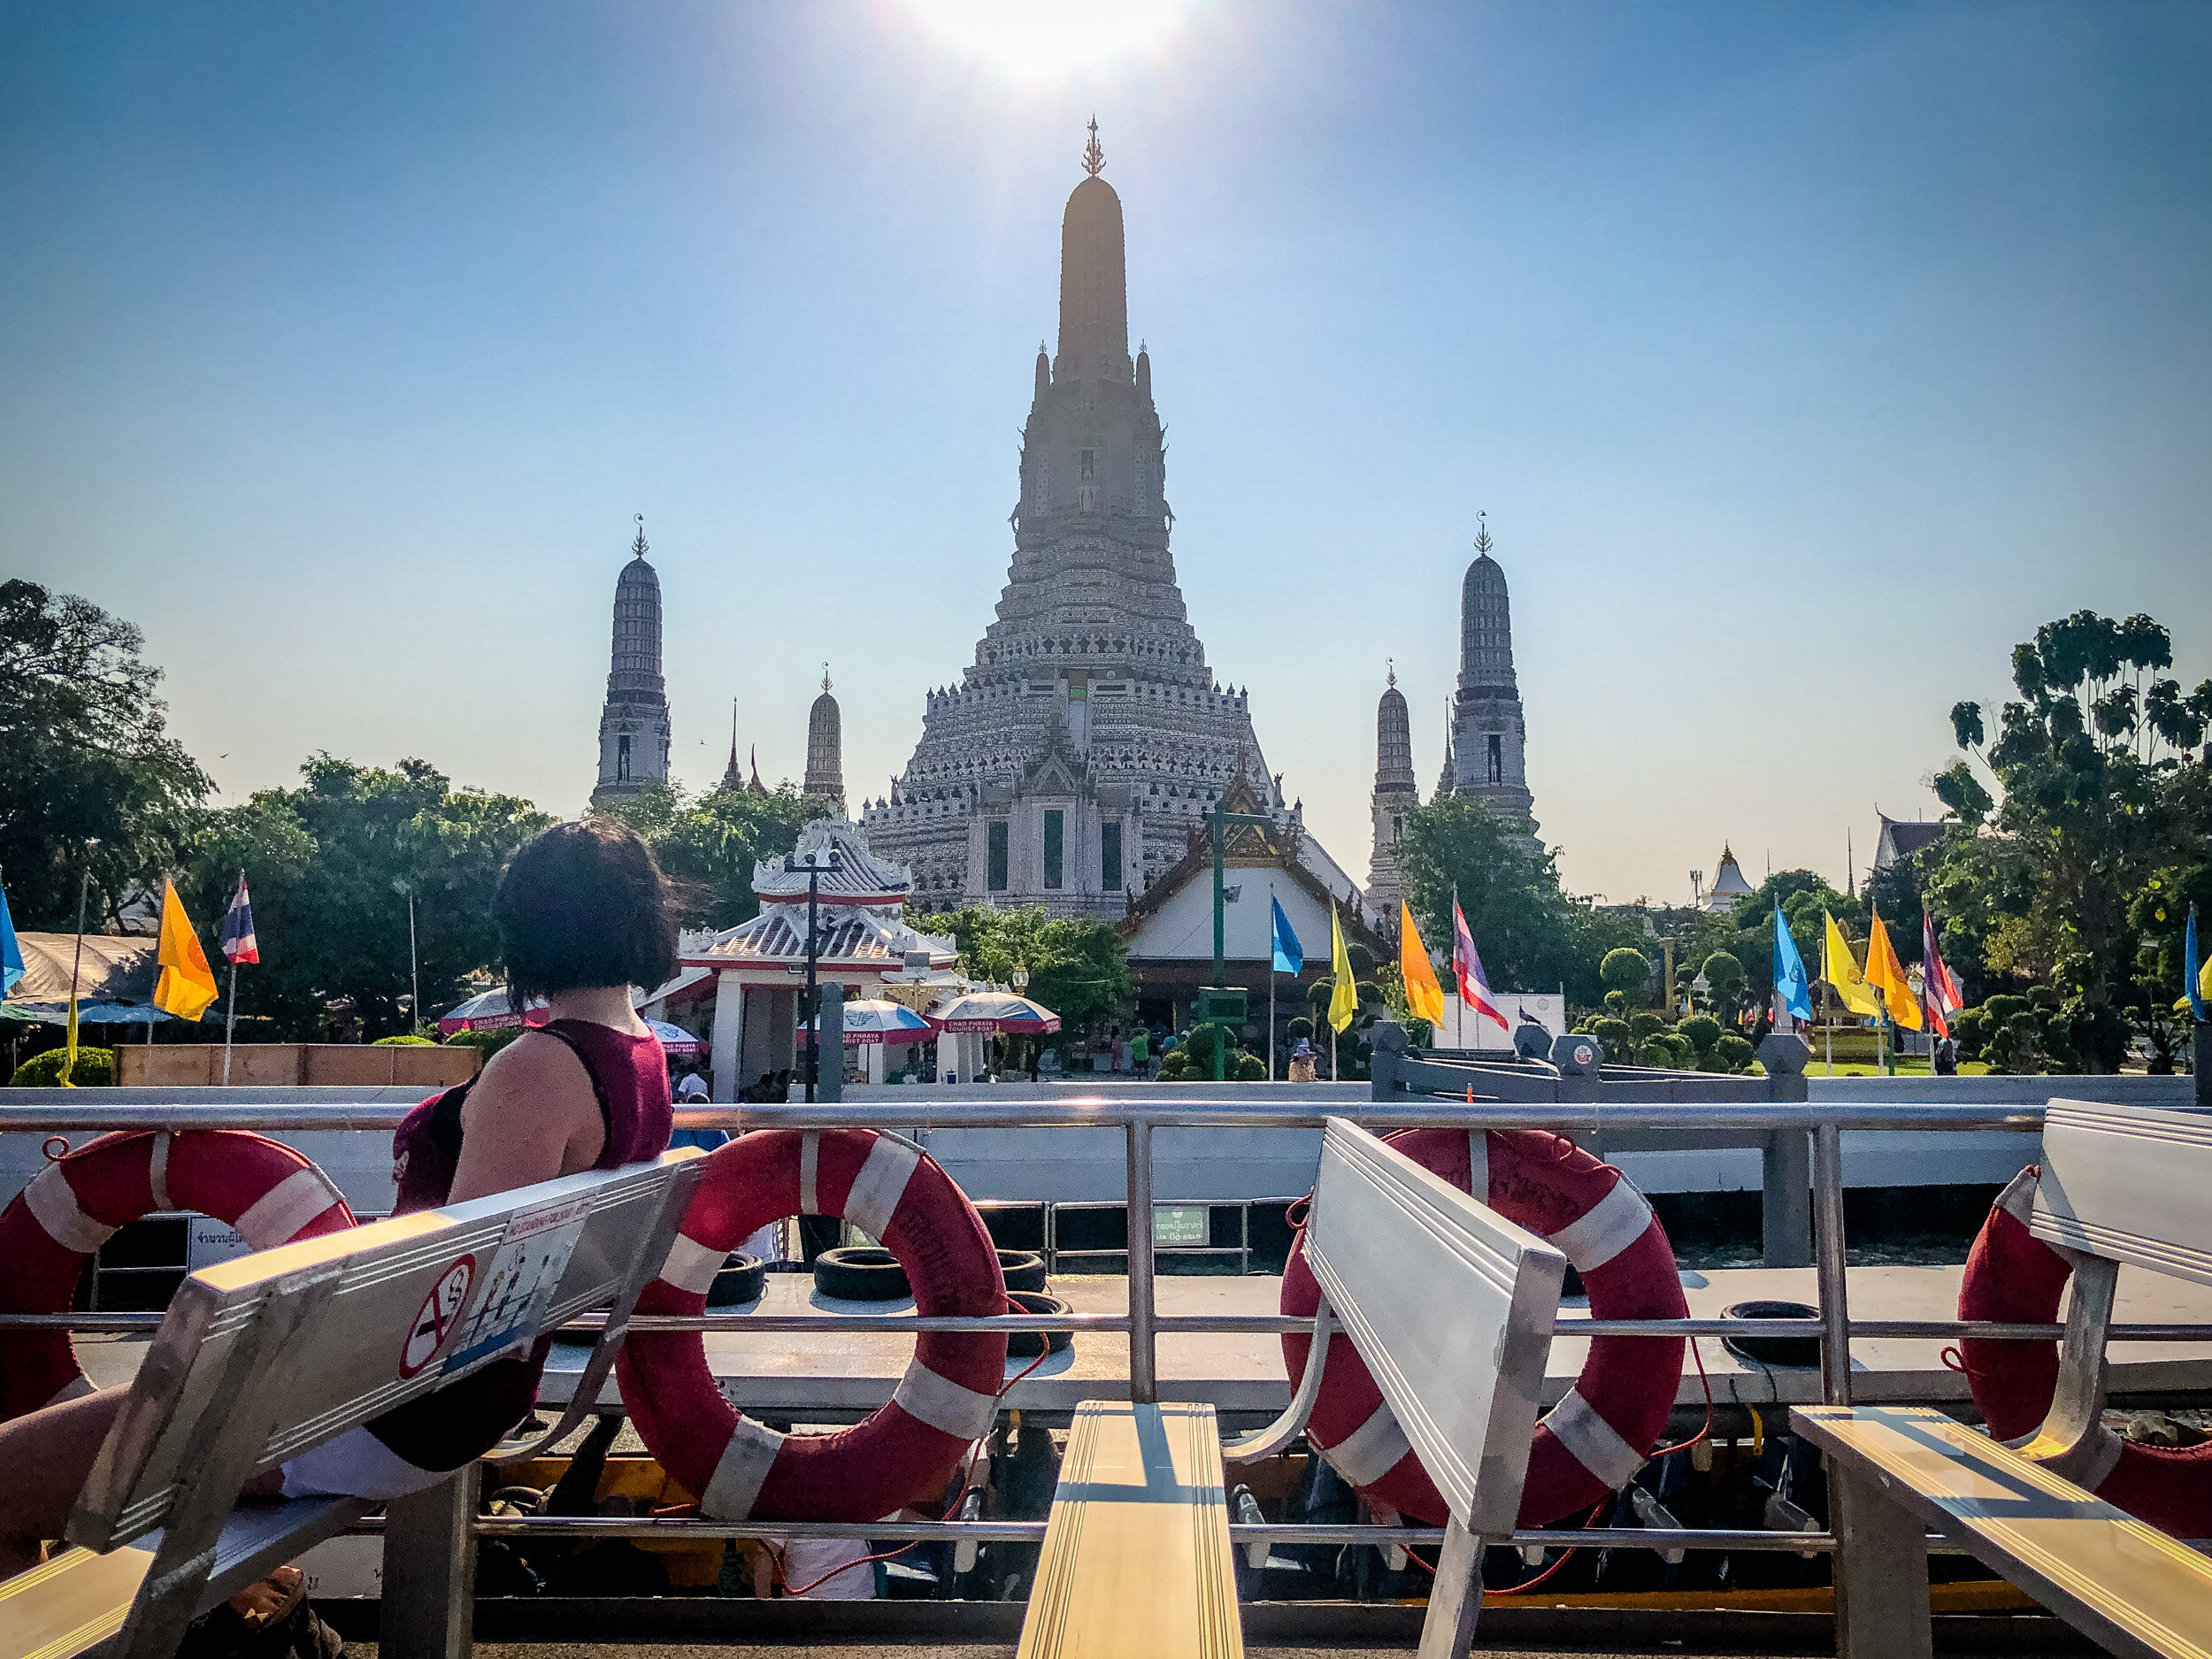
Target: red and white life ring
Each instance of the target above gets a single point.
(269, 1193)
(1596, 1440)
(903, 1453)
(2014, 1277)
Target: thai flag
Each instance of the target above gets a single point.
(1474, 990)
(1938, 986)
(238, 940)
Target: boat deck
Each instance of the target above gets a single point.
(856, 1370)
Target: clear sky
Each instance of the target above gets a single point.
(1804, 357)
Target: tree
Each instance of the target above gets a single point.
(2047, 875)
(1724, 978)
(1078, 967)
(1626, 972)
(91, 781)
(1531, 935)
(332, 864)
(708, 844)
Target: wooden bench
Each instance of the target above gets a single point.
(261, 1358)
(1450, 1305)
(2119, 1183)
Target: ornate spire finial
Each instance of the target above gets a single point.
(1394, 669)
(1094, 158)
(1482, 533)
(637, 547)
(826, 679)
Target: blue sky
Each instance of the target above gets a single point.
(1803, 360)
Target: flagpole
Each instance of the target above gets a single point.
(1270, 981)
(69, 1059)
(230, 1021)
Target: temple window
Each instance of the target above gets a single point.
(995, 875)
(1109, 858)
(1056, 836)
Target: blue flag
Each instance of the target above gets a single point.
(2190, 971)
(1290, 955)
(1790, 984)
(12, 949)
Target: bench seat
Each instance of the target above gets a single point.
(2125, 1585)
(1136, 1557)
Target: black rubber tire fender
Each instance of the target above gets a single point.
(1024, 1269)
(742, 1279)
(1030, 1344)
(856, 1272)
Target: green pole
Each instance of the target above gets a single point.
(1221, 1050)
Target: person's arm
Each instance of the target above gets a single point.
(531, 1117)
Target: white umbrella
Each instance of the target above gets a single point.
(996, 1011)
(870, 1020)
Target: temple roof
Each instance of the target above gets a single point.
(861, 878)
(850, 935)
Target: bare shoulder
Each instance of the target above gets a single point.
(536, 1074)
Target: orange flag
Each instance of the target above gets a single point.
(187, 985)
(1423, 995)
(1886, 975)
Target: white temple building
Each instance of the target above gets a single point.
(633, 729)
(1729, 884)
(1089, 736)
(866, 947)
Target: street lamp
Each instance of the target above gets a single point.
(1021, 977)
(815, 871)
(401, 884)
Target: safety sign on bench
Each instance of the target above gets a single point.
(518, 1281)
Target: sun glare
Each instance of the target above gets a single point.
(1038, 37)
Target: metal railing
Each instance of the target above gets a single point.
(1823, 1124)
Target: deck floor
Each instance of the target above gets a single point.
(778, 1373)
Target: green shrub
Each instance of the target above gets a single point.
(1248, 1068)
(1702, 1029)
(490, 1042)
(1299, 1027)
(1619, 1040)
(1626, 972)
(405, 1041)
(94, 1067)
(1734, 1053)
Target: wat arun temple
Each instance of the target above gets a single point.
(1071, 765)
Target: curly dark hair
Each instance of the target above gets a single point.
(584, 904)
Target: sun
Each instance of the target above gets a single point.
(1041, 37)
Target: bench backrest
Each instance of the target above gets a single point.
(1450, 1305)
(2128, 1183)
(367, 1319)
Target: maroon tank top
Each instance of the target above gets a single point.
(459, 1423)
(630, 1074)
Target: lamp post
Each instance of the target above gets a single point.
(815, 869)
(1215, 1002)
(402, 884)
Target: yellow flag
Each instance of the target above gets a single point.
(1423, 995)
(187, 985)
(1841, 969)
(1344, 1002)
(1886, 975)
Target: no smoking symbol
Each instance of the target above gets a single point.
(428, 1333)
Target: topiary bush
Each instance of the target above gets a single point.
(1619, 1040)
(95, 1067)
(1734, 1053)
(1702, 1031)
(403, 1042)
